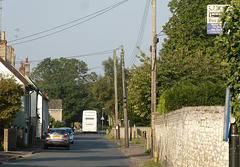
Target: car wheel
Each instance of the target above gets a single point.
(72, 142)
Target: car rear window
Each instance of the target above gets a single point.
(69, 130)
(57, 131)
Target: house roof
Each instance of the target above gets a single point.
(55, 104)
(16, 73)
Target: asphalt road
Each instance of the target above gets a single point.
(90, 150)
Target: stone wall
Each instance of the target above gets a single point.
(192, 136)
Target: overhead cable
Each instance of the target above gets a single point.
(140, 34)
(87, 18)
(84, 55)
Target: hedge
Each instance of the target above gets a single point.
(187, 94)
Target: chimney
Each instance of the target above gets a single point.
(3, 36)
(27, 67)
(3, 46)
(22, 69)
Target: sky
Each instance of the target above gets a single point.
(91, 40)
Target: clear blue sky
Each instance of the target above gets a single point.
(119, 26)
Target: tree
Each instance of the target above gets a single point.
(66, 79)
(188, 53)
(103, 89)
(139, 91)
(53, 76)
(229, 49)
(10, 101)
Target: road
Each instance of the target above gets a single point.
(90, 150)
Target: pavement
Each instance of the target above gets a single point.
(135, 152)
(6, 156)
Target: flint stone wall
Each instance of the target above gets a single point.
(192, 136)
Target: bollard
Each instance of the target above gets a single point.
(233, 146)
(155, 156)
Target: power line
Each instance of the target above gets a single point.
(89, 17)
(62, 24)
(84, 55)
(140, 34)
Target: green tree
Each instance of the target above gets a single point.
(229, 49)
(10, 101)
(66, 79)
(53, 76)
(228, 41)
(139, 91)
(103, 89)
(188, 54)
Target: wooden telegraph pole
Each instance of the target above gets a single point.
(116, 95)
(153, 81)
(124, 101)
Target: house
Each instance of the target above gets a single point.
(34, 110)
(55, 109)
(43, 113)
(22, 121)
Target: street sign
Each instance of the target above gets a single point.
(214, 25)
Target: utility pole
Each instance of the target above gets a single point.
(153, 81)
(124, 101)
(116, 94)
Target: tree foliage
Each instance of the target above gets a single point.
(53, 76)
(66, 79)
(10, 100)
(139, 91)
(103, 88)
(229, 48)
(228, 44)
(188, 54)
(188, 94)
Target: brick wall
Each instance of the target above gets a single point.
(192, 136)
(10, 139)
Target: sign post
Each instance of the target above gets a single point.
(227, 114)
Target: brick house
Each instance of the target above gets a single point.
(28, 122)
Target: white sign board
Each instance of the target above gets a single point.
(214, 25)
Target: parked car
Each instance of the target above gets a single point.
(71, 133)
(57, 137)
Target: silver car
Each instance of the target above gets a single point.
(71, 133)
(57, 137)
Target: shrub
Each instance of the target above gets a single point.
(57, 124)
(187, 94)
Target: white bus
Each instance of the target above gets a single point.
(89, 121)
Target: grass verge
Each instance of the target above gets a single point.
(150, 164)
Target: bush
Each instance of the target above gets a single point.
(187, 94)
(57, 124)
